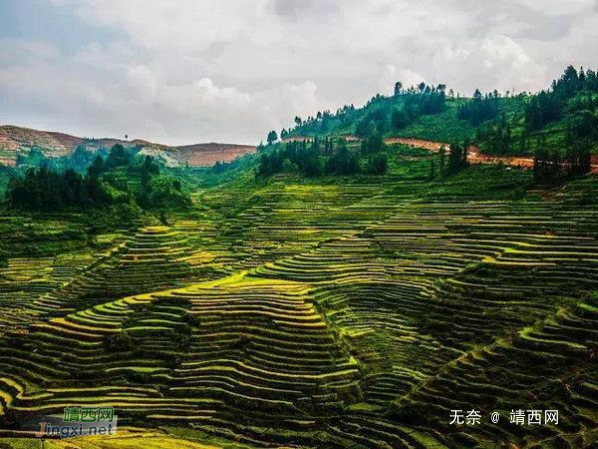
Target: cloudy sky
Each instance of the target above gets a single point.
(187, 71)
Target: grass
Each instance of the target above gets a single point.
(329, 312)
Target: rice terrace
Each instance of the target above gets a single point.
(417, 272)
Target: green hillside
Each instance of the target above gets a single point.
(317, 294)
(500, 124)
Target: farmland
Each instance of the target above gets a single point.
(348, 311)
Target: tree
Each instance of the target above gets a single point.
(442, 157)
(457, 157)
(399, 119)
(81, 158)
(372, 143)
(117, 157)
(480, 108)
(342, 162)
(377, 164)
(148, 168)
(582, 125)
(398, 88)
(432, 170)
(496, 137)
(97, 167)
(272, 137)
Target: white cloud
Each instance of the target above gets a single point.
(21, 52)
(556, 7)
(186, 70)
(390, 75)
(501, 50)
(140, 84)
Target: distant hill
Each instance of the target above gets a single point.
(203, 154)
(16, 140)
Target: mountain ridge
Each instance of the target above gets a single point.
(16, 140)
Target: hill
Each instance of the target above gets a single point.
(368, 292)
(352, 311)
(205, 154)
(17, 141)
(554, 119)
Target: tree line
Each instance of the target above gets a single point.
(549, 105)
(450, 164)
(117, 179)
(325, 156)
(396, 113)
(552, 167)
(480, 109)
(380, 114)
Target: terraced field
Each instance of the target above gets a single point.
(310, 314)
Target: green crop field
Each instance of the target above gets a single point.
(351, 311)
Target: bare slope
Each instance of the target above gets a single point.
(15, 140)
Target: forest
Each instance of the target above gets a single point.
(119, 178)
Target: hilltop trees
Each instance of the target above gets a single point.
(433, 100)
(581, 130)
(571, 96)
(549, 105)
(398, 88)
(396, 115)
(502, 124)
(380, 115)
(541, 110)
(272, 137)
(480, 108)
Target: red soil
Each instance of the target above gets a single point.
(418, 143)
(474, 156)
(14, 139)
(204, 154)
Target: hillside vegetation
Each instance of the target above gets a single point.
(555, 119)
(309, 295)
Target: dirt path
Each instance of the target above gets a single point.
(417, 143)
(474, 156)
